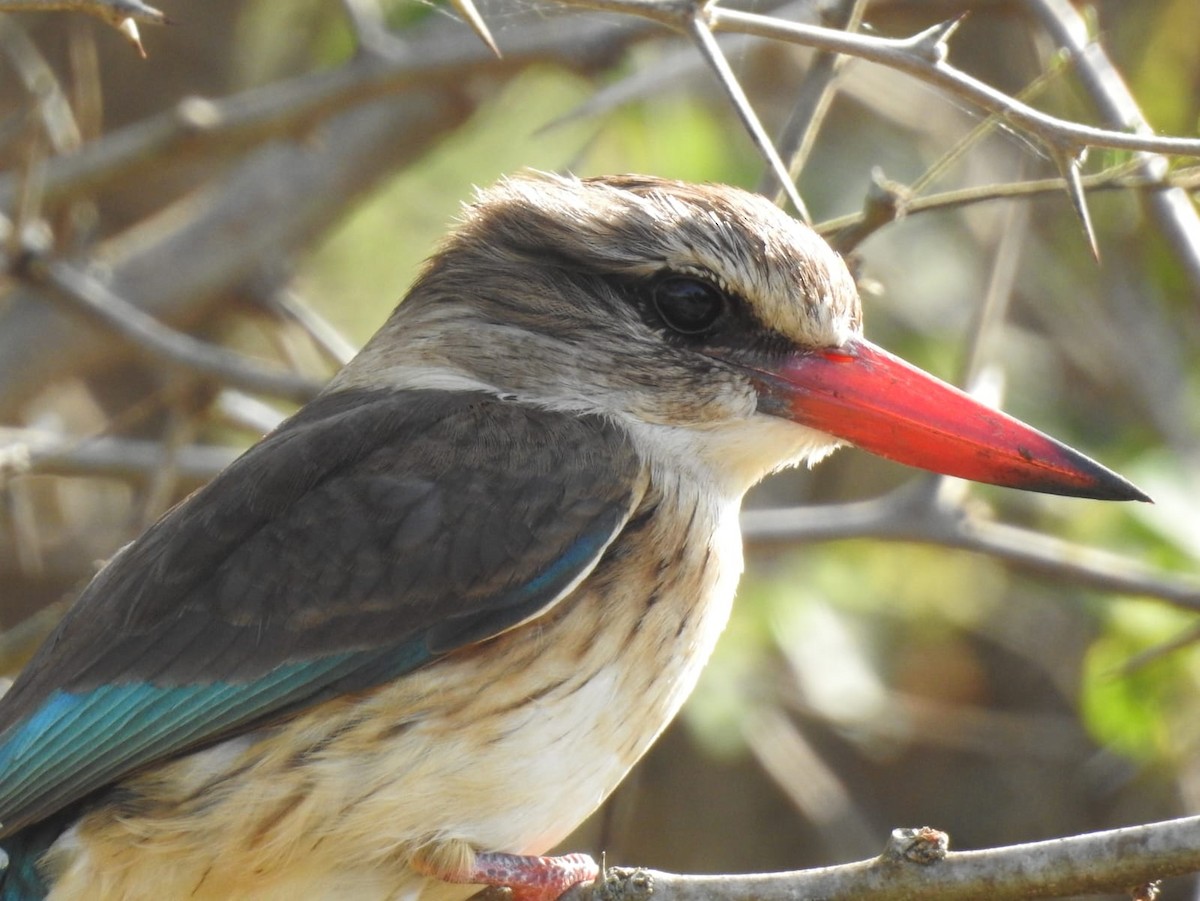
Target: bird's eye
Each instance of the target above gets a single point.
(689, 306)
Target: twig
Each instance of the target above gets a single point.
(812, 785)
(817, 92)
(40, 81)
(986, 127)
(906, 515)
(994, 310)
(921, 56)
(86, 294)
(124, 458)
(245, 412)
(230, 126)
(1186, 179)
(916, 57)
(914, 866)
(289, 306)
(122, 15)
(711, 51)
(672, 68)
(367, 20)
(1172, 210)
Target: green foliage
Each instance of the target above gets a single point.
(271, 45)
(1168, 72)
(841, 618)
(1146, 712)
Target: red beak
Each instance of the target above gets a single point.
(862, 394)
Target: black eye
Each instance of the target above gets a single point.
(689, 306)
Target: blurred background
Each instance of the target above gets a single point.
(1031, 678)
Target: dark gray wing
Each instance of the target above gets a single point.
(369, 534)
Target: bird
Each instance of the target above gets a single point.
(407, 642)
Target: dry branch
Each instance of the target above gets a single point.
(1113, 861)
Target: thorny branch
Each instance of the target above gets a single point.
(122, 15)
(85, 294)
(922, 56)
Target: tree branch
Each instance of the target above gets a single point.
(1173, 211)
(28, 450)
(922, 56)
(82, 293)
(914, 866)
(122, 15)
(230, 126)
(275, 200)
(909, 515)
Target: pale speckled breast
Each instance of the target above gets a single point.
(506, 746)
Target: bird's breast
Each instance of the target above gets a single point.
(522, 737)
(506, 745)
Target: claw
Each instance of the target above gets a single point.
(530, 878)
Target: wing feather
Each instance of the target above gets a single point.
(369, 534)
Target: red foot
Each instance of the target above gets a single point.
(531, 878)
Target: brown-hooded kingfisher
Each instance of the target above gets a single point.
(422, 629)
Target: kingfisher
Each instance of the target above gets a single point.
(407, 642)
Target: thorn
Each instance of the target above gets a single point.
(124, 15)
(128, 28)
(931, 44)
(1070, 165)
(466, 9)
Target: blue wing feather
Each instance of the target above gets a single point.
(76, 740)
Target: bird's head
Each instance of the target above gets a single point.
(721, 332)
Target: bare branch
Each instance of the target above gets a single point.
(290, 191)
(1172, 210)
(28, 450)
(122, 15)
(230, 126)
(979, 360)
(289, 306)
(899, 202)
(817, 92)
(711, 51)
(907, 515)
(366, 18)
(921, 56)
(1112, 861)
(40, 80)
(88, 295)
(905, 55)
